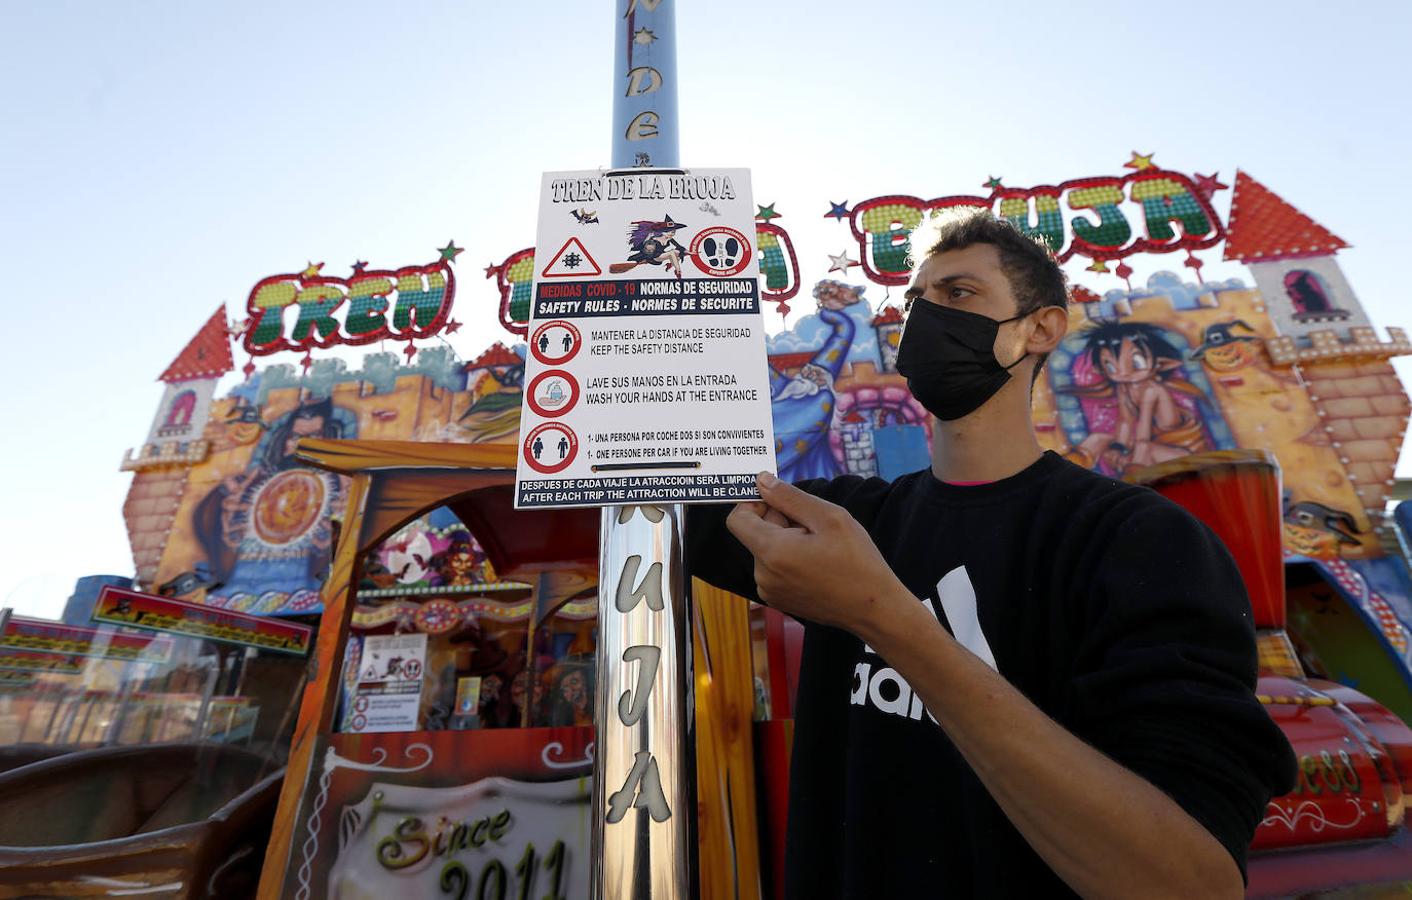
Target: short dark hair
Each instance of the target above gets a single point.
(1027, 261)
(1110, 336)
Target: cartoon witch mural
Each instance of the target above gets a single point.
(655, 244)
(1137, 399)
(1228, 346)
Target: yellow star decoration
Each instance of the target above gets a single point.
(313, 270)
(1139, 161)
(1097, 265)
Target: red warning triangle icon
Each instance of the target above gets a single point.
(572, 261)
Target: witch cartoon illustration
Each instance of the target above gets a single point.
(655, 244)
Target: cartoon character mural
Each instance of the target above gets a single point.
(1228, 346)
(495, 385)
(265, 531)
(572, 702)
(1318, 531)
(803, 404)
(421, 555)
(1140, 403)
(1148, 376)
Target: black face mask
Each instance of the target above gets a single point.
(948, 358)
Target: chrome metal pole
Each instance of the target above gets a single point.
(644, 829)
(645, 778)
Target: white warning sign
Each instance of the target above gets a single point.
(572, 261)
(390, 677)
(646, 379)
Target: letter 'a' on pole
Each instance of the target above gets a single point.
(644, 826)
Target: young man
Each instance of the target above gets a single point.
(1020, 678)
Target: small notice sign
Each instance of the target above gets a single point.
(390, 676)
(646, 379)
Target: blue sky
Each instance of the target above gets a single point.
(159, 158)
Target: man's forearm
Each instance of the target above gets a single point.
(1104, 830)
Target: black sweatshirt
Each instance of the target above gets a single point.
(1113, 610)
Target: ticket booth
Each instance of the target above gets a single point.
(445, 744)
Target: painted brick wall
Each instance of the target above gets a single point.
(148, 511)
(1364, 410)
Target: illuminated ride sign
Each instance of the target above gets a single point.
(1150, 210)
(168, 615)
(42, 636)
(308, 310)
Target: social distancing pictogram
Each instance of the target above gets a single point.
(556, 342)
(550, 447)
(572, 261)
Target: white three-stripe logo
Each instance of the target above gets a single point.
(958, 601)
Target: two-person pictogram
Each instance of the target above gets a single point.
(555, 342)
(550, 447)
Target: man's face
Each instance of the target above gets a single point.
(1131, 364)
(971, 280)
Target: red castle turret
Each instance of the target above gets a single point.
(1361, 405)
(207, 355)
(175, 441)
(1263, 227)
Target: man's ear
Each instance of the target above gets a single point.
(1051, 324)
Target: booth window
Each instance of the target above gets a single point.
(488, 652)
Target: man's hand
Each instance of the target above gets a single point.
(812, 559)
